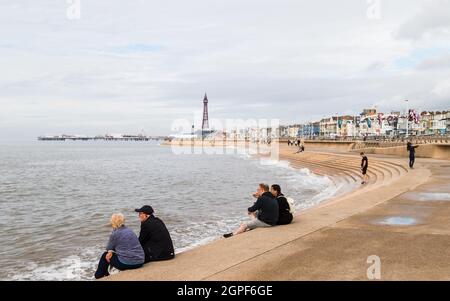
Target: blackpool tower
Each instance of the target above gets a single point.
(205, 124)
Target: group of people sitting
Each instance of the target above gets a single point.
(299, 143)
(270, 209)
(126, 251)
(294, 142)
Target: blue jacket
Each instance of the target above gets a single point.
(126, 245)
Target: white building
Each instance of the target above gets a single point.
(293, 131)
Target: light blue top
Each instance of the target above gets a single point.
(126, 245)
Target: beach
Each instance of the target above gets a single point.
(401, 217)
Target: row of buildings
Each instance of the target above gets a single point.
(369, 123)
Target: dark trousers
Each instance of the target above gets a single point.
(103, 266)
(149, 259)
(411, 161)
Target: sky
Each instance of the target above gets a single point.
(108, 66)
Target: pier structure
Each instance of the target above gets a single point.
(102, 138)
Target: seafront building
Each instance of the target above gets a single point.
(447, 118)
(370, 123)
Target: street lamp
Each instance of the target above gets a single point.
(337, 126)
(407, 119)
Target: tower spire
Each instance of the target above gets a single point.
(205, 123)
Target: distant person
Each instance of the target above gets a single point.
(124, 252)
(301, 148)
(412, 154)
(264, 212)
(284, 215)
(364, 167)
(154, 236)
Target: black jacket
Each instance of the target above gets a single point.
(285, 217)
(412, 151)
(155, 240)
(364, 163)
(268, 209)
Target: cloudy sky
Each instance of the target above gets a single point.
(132, 66)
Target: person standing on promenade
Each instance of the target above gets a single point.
(364, 167)
(301, 149)
(264, 211)
(124, 252)
(154, 236)
(412, 154)
(285, 217)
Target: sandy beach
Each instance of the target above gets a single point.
(401, 217)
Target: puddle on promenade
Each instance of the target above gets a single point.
(428, 196)
(398, 221)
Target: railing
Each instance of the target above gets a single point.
(401, 142)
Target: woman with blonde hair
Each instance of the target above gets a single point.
(124, 251)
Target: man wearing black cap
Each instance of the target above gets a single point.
(154, 236)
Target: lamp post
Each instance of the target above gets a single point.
(337, 126)
(407, 119)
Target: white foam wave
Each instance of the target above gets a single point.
(71, 268)
(301, 180)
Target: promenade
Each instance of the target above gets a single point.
(401, 217)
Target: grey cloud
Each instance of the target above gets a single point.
(434, 17)
(439, 63)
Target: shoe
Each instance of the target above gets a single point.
(228, 235)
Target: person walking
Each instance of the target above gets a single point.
(364, 167)
(412, 154)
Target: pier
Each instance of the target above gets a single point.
(102, 138)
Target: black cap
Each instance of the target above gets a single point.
(145, 209)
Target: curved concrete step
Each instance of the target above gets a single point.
(347, 166)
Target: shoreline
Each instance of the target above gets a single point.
(237, 258)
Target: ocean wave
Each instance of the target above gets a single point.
(71, 268)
